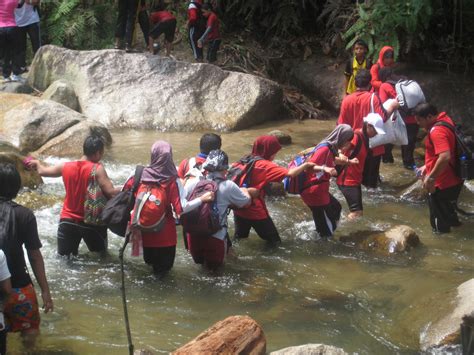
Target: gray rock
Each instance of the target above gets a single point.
(283, 138)
(310, 349)
(62, 92)
(16, 87)
(446, 330)
(121, 89)
(414, 193)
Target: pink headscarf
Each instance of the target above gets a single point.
(161, 168)
(266, 147)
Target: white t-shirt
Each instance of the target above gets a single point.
(4, 273)
(26, 15)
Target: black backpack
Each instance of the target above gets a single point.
(464, 151)
(241, 170)
(116, 213)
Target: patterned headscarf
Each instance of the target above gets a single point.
(217, 160)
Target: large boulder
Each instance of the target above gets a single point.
(310, 349)
(395, 240)
(62, 92)
(446, 329)
(121, 89)
(33, 124)
(233, 335)
(29, 178)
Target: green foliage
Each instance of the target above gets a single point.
(79, 24)
(400, 24)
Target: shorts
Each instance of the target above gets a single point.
(207, 250)
(353, 196)
(167, 27)
(21, 310)
(71, 233)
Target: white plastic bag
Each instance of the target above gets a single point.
(395, 130)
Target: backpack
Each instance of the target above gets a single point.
(94, 201)
(295, 185)
(116, 213)
(464, 167)
(192, 168)
(409, 94)
(151, 204)
(205, 219)
(240, 171)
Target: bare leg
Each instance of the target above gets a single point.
(28, 338)
(355, 215)
(150, 45)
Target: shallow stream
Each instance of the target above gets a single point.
(305, 291)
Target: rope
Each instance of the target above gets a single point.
(124, 298)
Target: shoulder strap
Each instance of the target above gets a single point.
(137, 177)
(372, 110)
(358, 146)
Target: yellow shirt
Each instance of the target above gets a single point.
(351, 87)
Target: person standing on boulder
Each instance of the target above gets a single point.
(164, 22)
(439, 173)
(28, 22)
(18, 230)
(76, 176)
(127, 12)
(9, 40)
(196, 27)
(211, 35)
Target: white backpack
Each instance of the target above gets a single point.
(409, 94)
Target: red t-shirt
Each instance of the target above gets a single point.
(387, 91)
(213, 22)
(441, 139)
(352, 174)
(167, 237)
(318, 195)
(193, 14)
(76, 176)
(355, 107)
(184, 167)
(161, 16)
(264, 172)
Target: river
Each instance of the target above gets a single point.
(305, 291)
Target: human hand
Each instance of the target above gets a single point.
(47, 302)
(199, 43)
(253, 192)
(429, 184)
(309, 166)
(330, 171)
(30, 164)
(207, 197)
(354, 161)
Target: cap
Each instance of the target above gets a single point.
(375, 120)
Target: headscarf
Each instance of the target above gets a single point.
(382, 53)
(339, 136)
(161, 168)
(266, 147)
(217, 160)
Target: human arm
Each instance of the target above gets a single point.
(239, 197)
(45, 170)
(347, 74)
(299, 169)
(179, 197)
(105, 184)
(5, 282)
(204, 36)
(441, 164)
(375, 82)
(37, 265)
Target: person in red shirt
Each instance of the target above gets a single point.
(76, 175)
(349, 179)
(163, 22)
(159, 248)
(196, 26)
(354, 108)
(256, 216)
(386, 59)
(387, 91)
(211, 34)
(439, 173)
(325, 208)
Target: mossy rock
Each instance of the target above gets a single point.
(30, 179)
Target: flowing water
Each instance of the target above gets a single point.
(305, 291)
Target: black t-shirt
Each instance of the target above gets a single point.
(27, 235)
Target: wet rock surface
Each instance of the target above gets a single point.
(310, 349)
(61, 91)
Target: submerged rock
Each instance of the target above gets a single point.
(33, 124)
(395, 240)
(414, 193)
(233, 335)
(446, 330)
(61, 91)
(310, 349)
(283, 138)
(121, 89)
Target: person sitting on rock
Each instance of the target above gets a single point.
(163, 22)
(17, 230)
(439, 174)
(211, 34)
(349, 179)
(211, 250)
(76, 176)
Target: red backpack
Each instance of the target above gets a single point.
(149, 212)
(241, 171)
(205, 219)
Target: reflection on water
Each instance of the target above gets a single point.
(305, 291)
